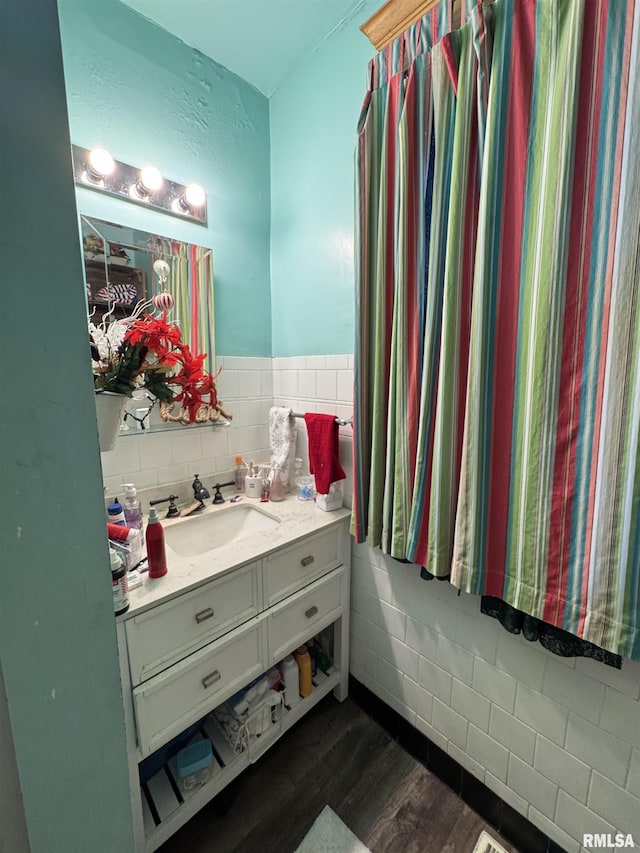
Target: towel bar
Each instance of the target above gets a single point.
(341, 421)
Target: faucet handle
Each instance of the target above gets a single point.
(173, 511)
(217, 498)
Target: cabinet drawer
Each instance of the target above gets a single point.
(293, 568)
(169, 632)
(300, 617)
(181, 695)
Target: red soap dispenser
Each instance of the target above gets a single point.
(155, 546)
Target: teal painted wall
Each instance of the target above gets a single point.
(57, 631)
(149, 98)
(288, 29)
(313, 131)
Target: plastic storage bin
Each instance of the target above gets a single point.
(193, 764)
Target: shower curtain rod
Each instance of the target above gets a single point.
(396, 16)
(340, 421)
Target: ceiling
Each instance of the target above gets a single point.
(260, 40)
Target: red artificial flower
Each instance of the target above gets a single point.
(197, 386)
(148, 336)
(155, 333)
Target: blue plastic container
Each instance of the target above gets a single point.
(193, 764)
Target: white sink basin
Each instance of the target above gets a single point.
(203, 533)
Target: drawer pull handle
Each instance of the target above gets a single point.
(204, 615)
(306, 561)
(311, 612)
(208, 680)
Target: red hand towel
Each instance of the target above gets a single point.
(323, 450)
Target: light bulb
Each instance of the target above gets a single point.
(192, 198)
(195, 195)
(150, 180)
(100, 164)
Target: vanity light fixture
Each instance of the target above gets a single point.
(96, 169)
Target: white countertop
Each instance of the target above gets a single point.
(297, 519)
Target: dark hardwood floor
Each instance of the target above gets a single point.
(335, 756)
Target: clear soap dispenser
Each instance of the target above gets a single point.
(132, 507)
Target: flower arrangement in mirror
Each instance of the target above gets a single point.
(147, 352)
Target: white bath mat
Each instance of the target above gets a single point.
(487, 844)
(330, 835)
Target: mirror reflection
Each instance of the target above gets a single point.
(125, 267)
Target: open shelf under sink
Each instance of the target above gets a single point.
(166, 808)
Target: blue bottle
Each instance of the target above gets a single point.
(116, 513)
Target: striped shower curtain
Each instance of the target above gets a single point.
(190, 282)
(497, 392)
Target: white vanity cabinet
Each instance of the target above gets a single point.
(169, 632)
(187, 648)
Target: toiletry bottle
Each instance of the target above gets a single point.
(115, 513)
(303, 659)
(132, 507)
(277, 487)
(131, 542)
(155, 546)
(291, 679)
(313, 654)
(119, 583)
(324, 658)
(121, 533)
(274, 677)
(238, 474)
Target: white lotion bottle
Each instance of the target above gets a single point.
(291, 678)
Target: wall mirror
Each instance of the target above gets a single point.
(125, 266)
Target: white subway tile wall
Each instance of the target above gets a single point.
(249, 386)
(245, 385)
(557, 739)
(319, 383)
